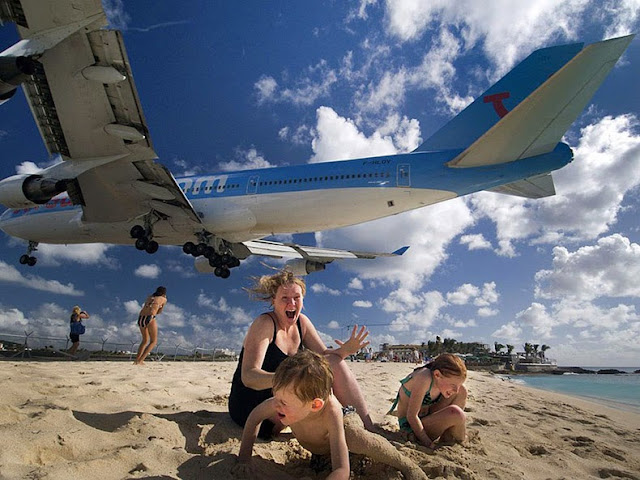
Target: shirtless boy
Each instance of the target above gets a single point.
(302, 400)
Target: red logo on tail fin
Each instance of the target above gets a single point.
(497, 99)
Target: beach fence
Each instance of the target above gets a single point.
(31, 346)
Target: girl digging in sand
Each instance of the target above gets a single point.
(431, 402)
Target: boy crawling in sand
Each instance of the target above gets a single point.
(302, 399)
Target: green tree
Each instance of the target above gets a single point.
(498, 346)
(544, 348)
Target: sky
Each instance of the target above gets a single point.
(237, 85)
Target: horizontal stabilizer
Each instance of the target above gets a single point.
(533, 187)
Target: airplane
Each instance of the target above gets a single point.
(109, 188)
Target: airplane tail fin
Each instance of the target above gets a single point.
(527, 111)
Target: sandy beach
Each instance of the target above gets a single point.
(168, 420)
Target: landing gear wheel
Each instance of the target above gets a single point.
(226, 259)
(222, 272)
(209, 252)
(24, 259)
(32, 261)
(137, 231)
(215, 261)
(152, 247)
(141, 243)
(188, 248)
(201, 248)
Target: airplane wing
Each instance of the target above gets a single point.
(303, 259)
(84, 101)
(315, 254)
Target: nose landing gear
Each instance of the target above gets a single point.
(27, 259)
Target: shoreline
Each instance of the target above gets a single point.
(170, 420)
(519, 379)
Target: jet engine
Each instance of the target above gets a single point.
(14, 71)
(301, 267)
(24, 191)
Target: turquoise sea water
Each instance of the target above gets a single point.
(618, 391)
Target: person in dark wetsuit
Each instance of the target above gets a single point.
(276, 335)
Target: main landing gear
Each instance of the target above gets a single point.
(27, 259)
(221, 259)
(144, 238)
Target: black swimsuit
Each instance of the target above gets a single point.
(242, 399)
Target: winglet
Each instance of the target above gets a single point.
(400, 251)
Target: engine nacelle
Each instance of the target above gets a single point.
(301, 267)
(14, 71)
(25, 191)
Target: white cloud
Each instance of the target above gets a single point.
(333, 325)
(537, 317)
(234, 315)
(322, 288)
(509, 332)
(315, 83)
(83, 253)
(355, 284)
(610, 268)
(148, 271)
(10, 274)
(487, 312)
(338, 138)
(463, 294)
(132, 307)
(523, 26)
(265, 87)
(585, 206)
(362, 304)
(475, 242)
(247, 160)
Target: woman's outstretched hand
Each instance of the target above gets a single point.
(356, 342)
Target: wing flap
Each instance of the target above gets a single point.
(122, 191)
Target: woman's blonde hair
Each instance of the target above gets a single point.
(76, 309)
(449, 365)
(307, 373)
(266, 287)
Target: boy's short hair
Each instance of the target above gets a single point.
(307, 373)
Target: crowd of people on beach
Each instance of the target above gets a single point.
(287, 378)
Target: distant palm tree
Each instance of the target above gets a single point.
(498, 346)
(544, 348)
(528, 349)
(509, 349)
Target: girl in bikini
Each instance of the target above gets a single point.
(153, 305)
(431, 402)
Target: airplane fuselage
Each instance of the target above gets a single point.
(251, 204)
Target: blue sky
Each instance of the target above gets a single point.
(228, 85)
